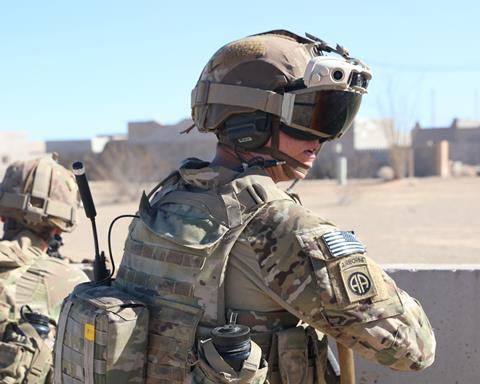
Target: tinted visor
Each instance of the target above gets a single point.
(300, 135)
(328, 113)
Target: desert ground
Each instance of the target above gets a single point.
(409, 221)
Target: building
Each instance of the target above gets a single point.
(367, 145)
(151, 131)
(166, 143)
(15, 146)
(463, 137)
(72, 150)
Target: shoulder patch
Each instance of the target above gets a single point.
(342, 243)
(357, 278)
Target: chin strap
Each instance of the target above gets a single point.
(291, 164)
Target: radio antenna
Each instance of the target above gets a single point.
(100, 271)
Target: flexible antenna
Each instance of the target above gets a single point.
(100, 271)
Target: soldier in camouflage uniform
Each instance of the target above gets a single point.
(38, 200)
(221, 238)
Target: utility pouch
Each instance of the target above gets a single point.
(24, 356)
(292, 347)
(325, 364)
(14, 361)
(101, 337)
(302, 357)
(171, 341)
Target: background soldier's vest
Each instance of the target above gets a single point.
(24, 355)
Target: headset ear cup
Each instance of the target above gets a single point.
(248, 131)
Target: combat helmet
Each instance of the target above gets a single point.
(40, 193)
(256, 86)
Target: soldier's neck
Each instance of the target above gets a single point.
(226, 157)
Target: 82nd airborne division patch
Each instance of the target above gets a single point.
(357, 279)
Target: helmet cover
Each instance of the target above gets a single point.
(40, 193)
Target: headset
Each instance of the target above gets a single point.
(247, 131)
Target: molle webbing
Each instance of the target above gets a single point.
(172, 327)
(167, 256)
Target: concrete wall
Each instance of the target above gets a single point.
(450, 296)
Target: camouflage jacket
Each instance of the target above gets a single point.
(29, 276)
(283, 260)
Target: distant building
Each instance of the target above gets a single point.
(144, 130)
(15, 146)
(166, 143)
(151, 131)
(366, 145)
(463, 137)
(71, 150)
(94, 145)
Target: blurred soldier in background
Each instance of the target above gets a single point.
(38, 201)
(220, 245)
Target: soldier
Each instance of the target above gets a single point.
(221, 241)
(38, 201)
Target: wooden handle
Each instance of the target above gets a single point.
(347, 365)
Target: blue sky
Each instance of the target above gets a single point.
(74, 69)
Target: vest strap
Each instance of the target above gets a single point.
(61, 327)
(41, 356)
(88, 353)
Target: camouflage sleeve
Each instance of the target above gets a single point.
(343, 293)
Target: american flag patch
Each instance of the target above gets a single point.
(342, 243)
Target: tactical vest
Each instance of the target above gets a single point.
(173, 268)
(25, 357)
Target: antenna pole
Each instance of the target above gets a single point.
(100, 271)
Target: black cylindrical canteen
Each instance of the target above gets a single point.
(85, 194)
(39, 322)
(232, 342)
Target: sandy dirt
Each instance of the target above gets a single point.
(428, 220)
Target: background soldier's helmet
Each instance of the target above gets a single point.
(39, 194)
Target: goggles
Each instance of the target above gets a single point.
(329, 100)
(323, 104)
